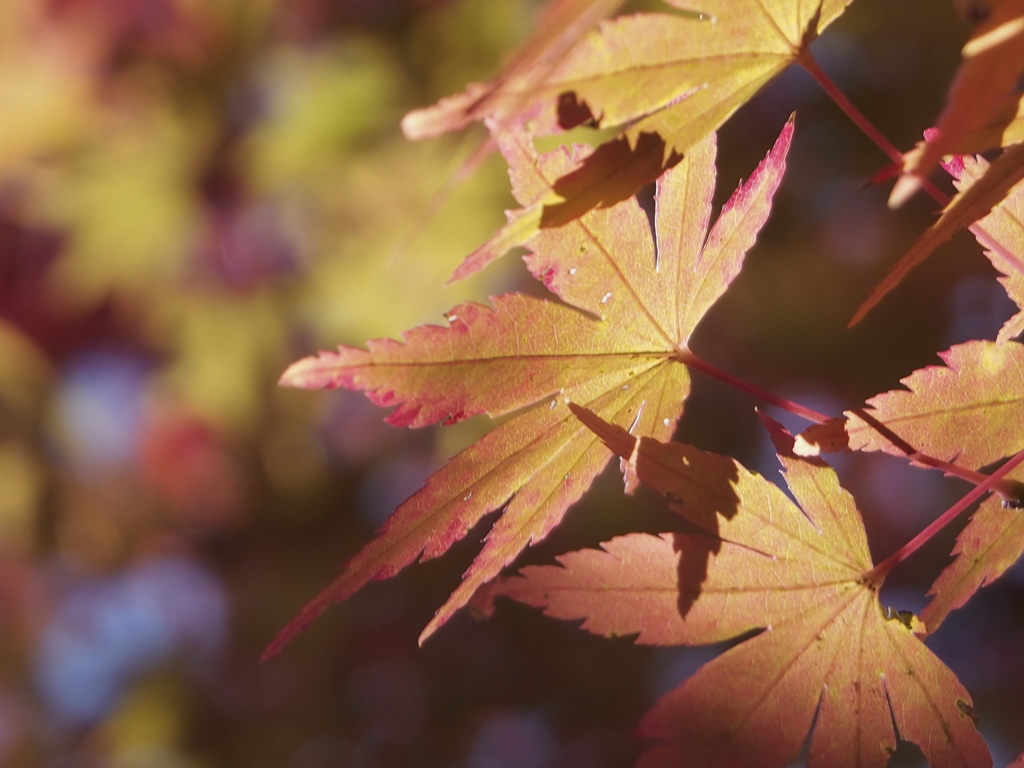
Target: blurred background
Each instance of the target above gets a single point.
(194, 193)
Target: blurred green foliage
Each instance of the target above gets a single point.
(193, 194)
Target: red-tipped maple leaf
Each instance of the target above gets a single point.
(617, 349)
(829, 656)
(667, 80)
(970, 410)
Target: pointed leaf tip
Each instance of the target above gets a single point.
(306, 616)
(618, 440)
(817, 439)
(906, 187)
(303, 374)
(990, 544)
(324, 370)
(781, 437)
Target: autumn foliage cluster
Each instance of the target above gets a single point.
(600, 370)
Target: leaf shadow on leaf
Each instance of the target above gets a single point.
(698, 487)
(698, 495)
(884, 431)
(906, 755)
(572, 112)
(694, 555)
(611, 174)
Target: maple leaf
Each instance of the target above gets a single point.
(990, 543)
(829, 654)
(666, 80)
(993, 62)
(682, 77)
(971, 409)
(678, 76)
(620, 356)
(980, 195)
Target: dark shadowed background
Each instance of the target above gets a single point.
(194, 193)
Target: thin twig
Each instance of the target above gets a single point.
(880, 571)
(867, 127)
(687, 357)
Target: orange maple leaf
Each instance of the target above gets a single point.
(617, 349)
(990, 543)
(666, 80)
(970, 410)
(829, 656)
